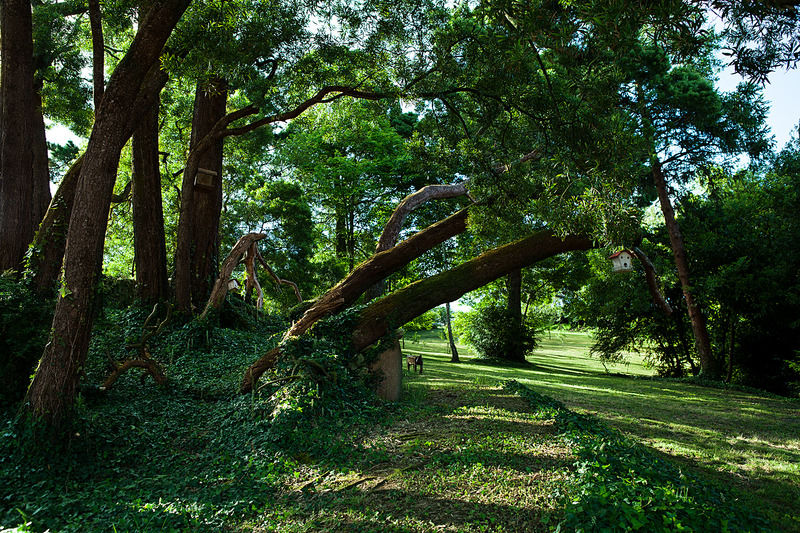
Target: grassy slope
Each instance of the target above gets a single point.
(465, 459)
(745, 440)
(457, 454)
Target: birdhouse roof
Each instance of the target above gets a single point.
(612, 256)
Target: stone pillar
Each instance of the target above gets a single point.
(390, 366)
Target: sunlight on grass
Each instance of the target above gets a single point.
(464, 459)
(743, 440)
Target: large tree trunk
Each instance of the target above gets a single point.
(98, 53)
(514, 307)
(378, 267)
(708, 364)
(52, 392)
(41, 167)
(17, 209)
(408, 303)
(453, 349)
(150, 253)
(198, 230)
(51, 239)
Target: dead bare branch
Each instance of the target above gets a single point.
(221, 285)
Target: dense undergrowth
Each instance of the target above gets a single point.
(619, 485)
(197, 456)
(193, 455)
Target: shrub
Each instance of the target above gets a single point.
(24, 323)
(495, 334)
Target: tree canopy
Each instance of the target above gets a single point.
(549, 127)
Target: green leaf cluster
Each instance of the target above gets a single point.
(619, 485)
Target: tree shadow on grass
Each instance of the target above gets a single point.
(399, 510)
(468, 460)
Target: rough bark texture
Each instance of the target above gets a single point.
(51, 239)
(377, 268)
(98, 52)
(203, 144)
(41, 164)
(150, 253)
(198, 230)
(453, 349)
(17, 214)
(708, 364)
(52, 391)
(221, 285)
(408, 303)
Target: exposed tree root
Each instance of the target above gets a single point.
(143, 359)
(152, 368)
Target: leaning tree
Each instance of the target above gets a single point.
(52, 390)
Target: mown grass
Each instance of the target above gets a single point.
(744, 440)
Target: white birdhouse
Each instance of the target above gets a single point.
(205, 179)
(621, 261)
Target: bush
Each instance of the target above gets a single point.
(24, 324)
(495, 334)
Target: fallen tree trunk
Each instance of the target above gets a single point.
(407, 303)
(377, 268)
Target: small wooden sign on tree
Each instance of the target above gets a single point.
(205, 179)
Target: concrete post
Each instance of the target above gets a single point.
(390, 366)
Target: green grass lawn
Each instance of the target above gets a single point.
(743, 440)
